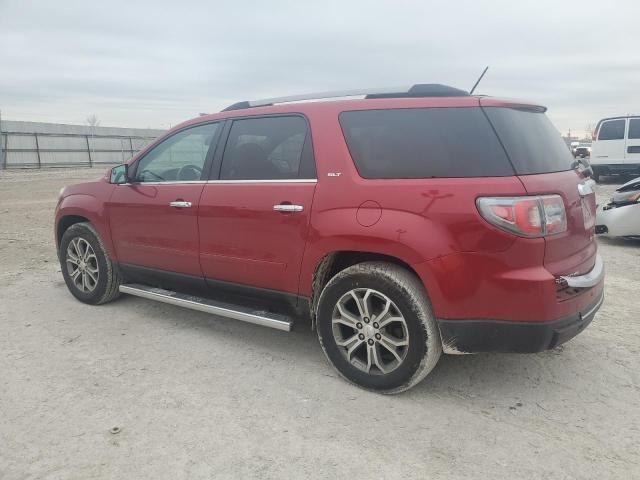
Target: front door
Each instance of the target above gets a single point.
(154, 217)
(254, 215)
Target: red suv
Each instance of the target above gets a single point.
(402, 224)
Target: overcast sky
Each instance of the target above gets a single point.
(154, 63)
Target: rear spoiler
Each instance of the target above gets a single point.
(512, 103)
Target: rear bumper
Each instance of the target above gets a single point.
(475, 336)
(589, 279)
(513, 285)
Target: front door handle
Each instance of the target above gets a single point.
(180, 204)
(288, 208)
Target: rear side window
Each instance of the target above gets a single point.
(634, 128)
(612, 130)
(424, 143)
(268, 148)
(531, 141)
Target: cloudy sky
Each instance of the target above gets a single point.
(153, 63)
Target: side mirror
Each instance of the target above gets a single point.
(120, 174)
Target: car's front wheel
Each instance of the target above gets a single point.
(86, 267)
(376, 328)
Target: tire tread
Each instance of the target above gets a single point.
(112, 274)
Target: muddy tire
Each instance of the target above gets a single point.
(86, 267)
(376, 327)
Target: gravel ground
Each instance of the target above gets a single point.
(196, 396)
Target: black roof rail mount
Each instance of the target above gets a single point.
(424, 90)
(415, 91)
(237, 106)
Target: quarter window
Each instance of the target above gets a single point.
(268, 148)
(612, 130)
(180, 157)
(634, 128)
(424, 143)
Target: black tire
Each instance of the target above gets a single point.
(106, 288)
(406, 291)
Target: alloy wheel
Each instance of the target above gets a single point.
(82, 265)
(370, 331)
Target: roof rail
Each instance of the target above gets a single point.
(418, 90)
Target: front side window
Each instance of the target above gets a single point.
(179, 158)
(634, 128)
(612, 130)
(269, 148)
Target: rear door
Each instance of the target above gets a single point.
(632, 150)
(543, 165)
(254, 215)
(609, 147)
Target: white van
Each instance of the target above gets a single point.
(616, 146)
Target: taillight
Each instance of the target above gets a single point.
(525, 216)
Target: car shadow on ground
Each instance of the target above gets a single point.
(470, 375)
(624, 242)
(615, 179)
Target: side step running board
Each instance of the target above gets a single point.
(237, 312)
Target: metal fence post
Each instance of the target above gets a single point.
(2, 161)
(3, 153)
(38, 150)
(89, 151)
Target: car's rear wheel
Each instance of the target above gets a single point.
(376, 328)
(86, 267)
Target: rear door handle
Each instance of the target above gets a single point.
(288, 208)
(180, 204)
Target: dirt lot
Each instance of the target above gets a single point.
(197, 396)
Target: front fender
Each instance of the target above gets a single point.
(91, 208)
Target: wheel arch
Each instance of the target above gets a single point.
(65, 222)
(79, 208)
(334, 262)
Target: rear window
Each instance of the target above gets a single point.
(531, 141)
(424, 143)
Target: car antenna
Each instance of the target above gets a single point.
(478, 81)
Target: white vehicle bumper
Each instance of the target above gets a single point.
(619, 222)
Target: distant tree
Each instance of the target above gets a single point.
(93, 121)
